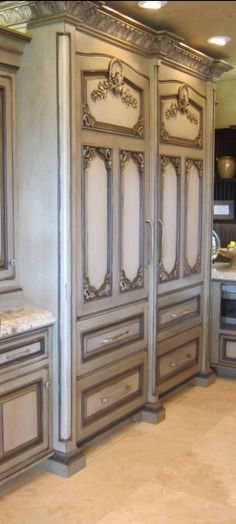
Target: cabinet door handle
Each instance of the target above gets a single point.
(117, 396)
(150, 243)
(160, 222)
(180, 364)
(178, 315)
(18, 355)
(116, 337)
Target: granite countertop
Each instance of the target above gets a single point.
(25, 319)
(222, 271)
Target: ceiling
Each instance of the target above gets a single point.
(194, 21)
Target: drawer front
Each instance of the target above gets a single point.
(106, 338)
(228, 350)
(110, 395)
(179, 312)
(181, 361)
(24, 348)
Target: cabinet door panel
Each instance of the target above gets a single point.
(24, 417)
(170, 218)
(132, 221)
(97, 222)
(193, 216)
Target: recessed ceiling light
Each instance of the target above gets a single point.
(219, 40)
(152, 5)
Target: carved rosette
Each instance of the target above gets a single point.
(181, 106)
(115, 84)
(164, 276)
(137, 282)
(90, 292)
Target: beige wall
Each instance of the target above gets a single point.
(226, 103)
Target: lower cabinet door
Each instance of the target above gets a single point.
(24, 416)
(110, 394)
(228, 350)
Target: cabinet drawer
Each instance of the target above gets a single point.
(20, 349)
(110, 395)
(106, 338)
(179, 360)
(182, 312)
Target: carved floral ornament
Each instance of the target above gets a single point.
(115, 84)
(181, 106)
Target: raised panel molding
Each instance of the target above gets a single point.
(90, 292)
(179, 114)
(192, 166)
(164, 274)
(111, 102)
(127, 284)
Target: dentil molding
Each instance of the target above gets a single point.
(95, 18)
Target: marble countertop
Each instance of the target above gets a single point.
(25, 319)
(222, 271)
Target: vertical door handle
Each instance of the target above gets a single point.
(160, 222)
(150, 241)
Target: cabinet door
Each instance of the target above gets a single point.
(112, 186)
(24, 415)
(170, 218)
(193, 217)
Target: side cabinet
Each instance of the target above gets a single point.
(25, 436)
(223, 327)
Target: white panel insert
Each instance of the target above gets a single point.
(169, 217)
(131, 219)
(192, 215)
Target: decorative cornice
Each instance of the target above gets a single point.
(93, 17)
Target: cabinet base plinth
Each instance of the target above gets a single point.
(153, 413)
(64, 465)
(205, 379)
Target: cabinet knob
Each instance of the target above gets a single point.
(47, 384)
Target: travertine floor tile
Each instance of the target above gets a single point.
(157, 504)
(221, 436)
(215, 399)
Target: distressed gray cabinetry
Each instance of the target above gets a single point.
(185, 191)
(112, 238)
(25, 401)
(223, 326)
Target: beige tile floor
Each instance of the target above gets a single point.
(182, 471)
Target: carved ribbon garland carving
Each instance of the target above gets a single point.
(116, 85)
(181, 106)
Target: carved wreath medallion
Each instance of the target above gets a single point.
(115, 84)
(181, 106)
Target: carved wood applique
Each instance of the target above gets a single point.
(89, 291)
(115, 84)
(164, 275)
(138, 282)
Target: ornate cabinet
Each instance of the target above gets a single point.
(115, 165)
(184, 193)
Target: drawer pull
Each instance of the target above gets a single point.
(116, 337)
(177, 315)
(180, 364)
(117, 396)
(20, 354)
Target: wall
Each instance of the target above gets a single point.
(226, 102)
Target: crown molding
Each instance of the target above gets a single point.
(110, 25)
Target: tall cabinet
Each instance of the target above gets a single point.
(115, 126)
